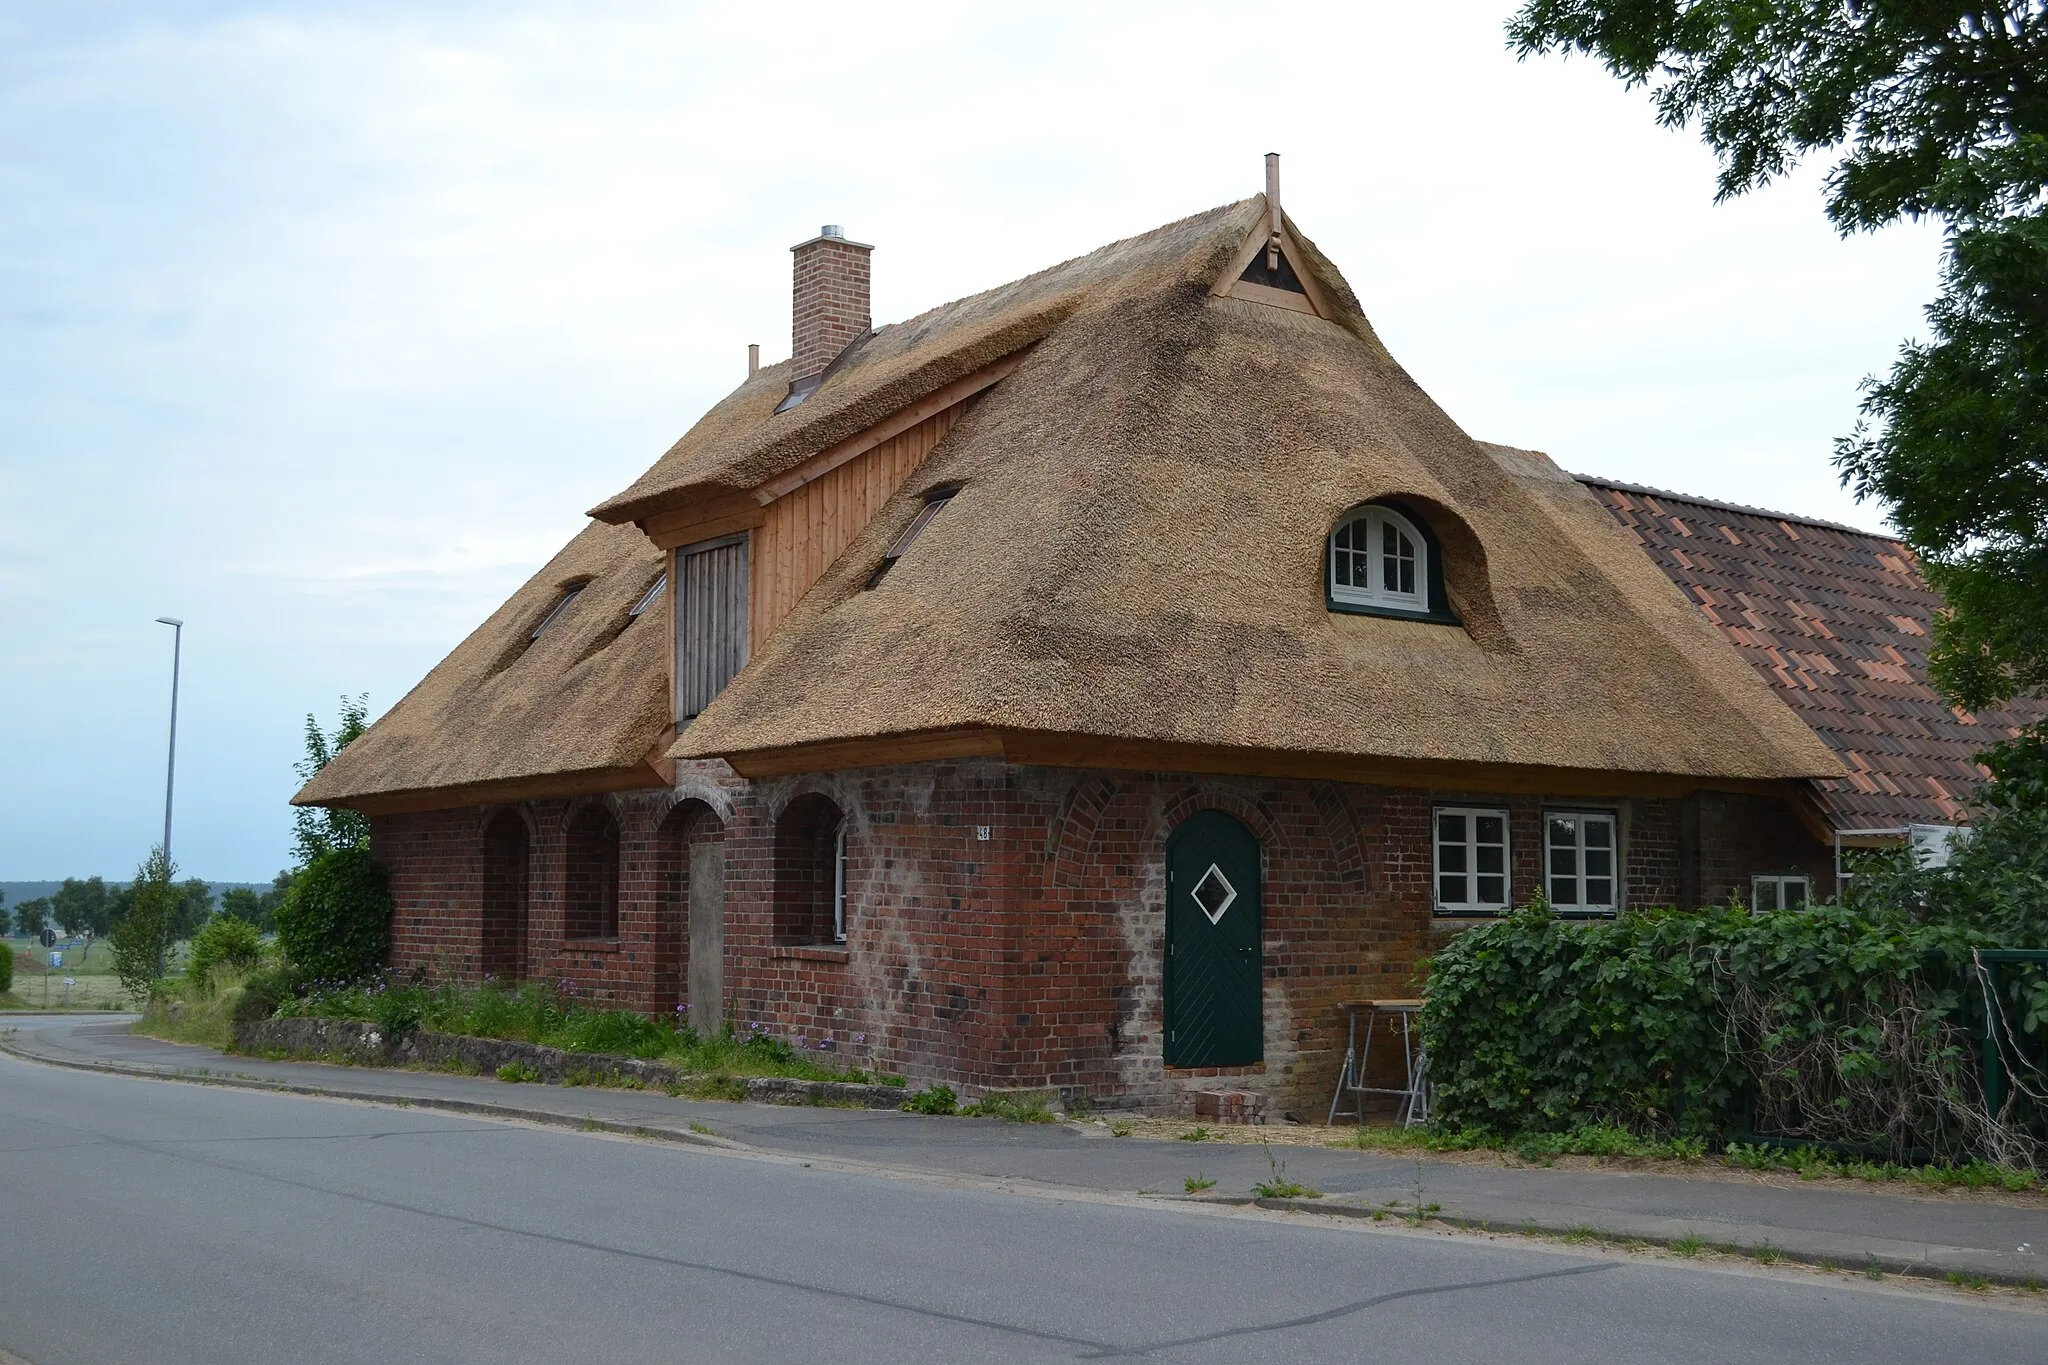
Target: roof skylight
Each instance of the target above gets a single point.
(569, 594)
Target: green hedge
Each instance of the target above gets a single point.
(6, 968)
(335, 922)
(1826, 1024)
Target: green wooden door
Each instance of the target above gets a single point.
(1214, 1015)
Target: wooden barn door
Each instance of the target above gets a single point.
(1214, 1011)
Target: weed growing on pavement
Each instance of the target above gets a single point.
(1976, 1284)
(1871, 1269)
(590, 1124)
(1766, 1254)
(1198, 1182)
(518, 1073)
(1278, 1186)
(1121, 1128)
(1196, 1134)
(1011, 1109)
(1690, 1245)
(704, 1128)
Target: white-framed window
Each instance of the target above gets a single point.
(1379, 559)
(1780, 891)
(1579, 854)
(839, 883)
(1471, 860)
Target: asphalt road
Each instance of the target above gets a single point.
(161, 1222)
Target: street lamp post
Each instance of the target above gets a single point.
(171, 763)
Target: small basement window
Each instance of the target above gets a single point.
(1471, 861)
(934, 503)
(650, 597)
(569, 594)
(1579, 853)
(1780, 891)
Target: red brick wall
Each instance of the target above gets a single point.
(1030, 956)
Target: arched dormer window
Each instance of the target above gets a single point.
(1382, 562)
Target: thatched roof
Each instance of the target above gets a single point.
(583, 705)
(1838, 622)
(1136, 553)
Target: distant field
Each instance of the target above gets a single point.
(35, 981)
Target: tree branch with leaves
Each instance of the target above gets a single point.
(1931, 110)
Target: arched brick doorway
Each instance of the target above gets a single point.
(505, 854)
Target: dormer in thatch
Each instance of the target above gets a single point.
(1140, 612)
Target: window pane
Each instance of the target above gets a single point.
(1794, 895)
(1450, 858)
(1564, 891)
(1451, 828)
(1599, 891)
(1492, 891)
(1397, 564)
(1450, 891)
(1492, 829)
(1764, 893)
(1599, 861)
(1564, 831)
(1599, 831)
(1490, 858)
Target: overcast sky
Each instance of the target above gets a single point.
(321, 324)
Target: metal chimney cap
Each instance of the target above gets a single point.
(831, 230)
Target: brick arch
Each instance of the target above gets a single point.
(811, 784)
(693, 787)
(487, 816)
(1215, 796)
(1339, 824)
(1080, 813)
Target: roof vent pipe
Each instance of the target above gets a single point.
(829, 305)
(1272, 211)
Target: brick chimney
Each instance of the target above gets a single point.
(830, 307)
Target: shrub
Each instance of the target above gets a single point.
(335, 923)
(937, 1099)
(263, 991)
(6, 969)
(1828, 1024)
(225, 942)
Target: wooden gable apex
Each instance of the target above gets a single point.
(1270, 268)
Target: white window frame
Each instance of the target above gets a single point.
(839, 883)
(1471, 905)
(1377, 521)
(1778, 881)
(1579, 905)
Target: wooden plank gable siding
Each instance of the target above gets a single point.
(807, 529)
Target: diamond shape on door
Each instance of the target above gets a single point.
(1214, 893)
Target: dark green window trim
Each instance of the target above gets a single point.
(1439, 612)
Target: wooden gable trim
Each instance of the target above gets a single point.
(703, 521)
(830, 458)
(1228, 285)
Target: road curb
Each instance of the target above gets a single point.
(476, 1108)
(1920, 1267)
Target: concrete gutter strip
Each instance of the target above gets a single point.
(1891, 1255)
(1804, 1246)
